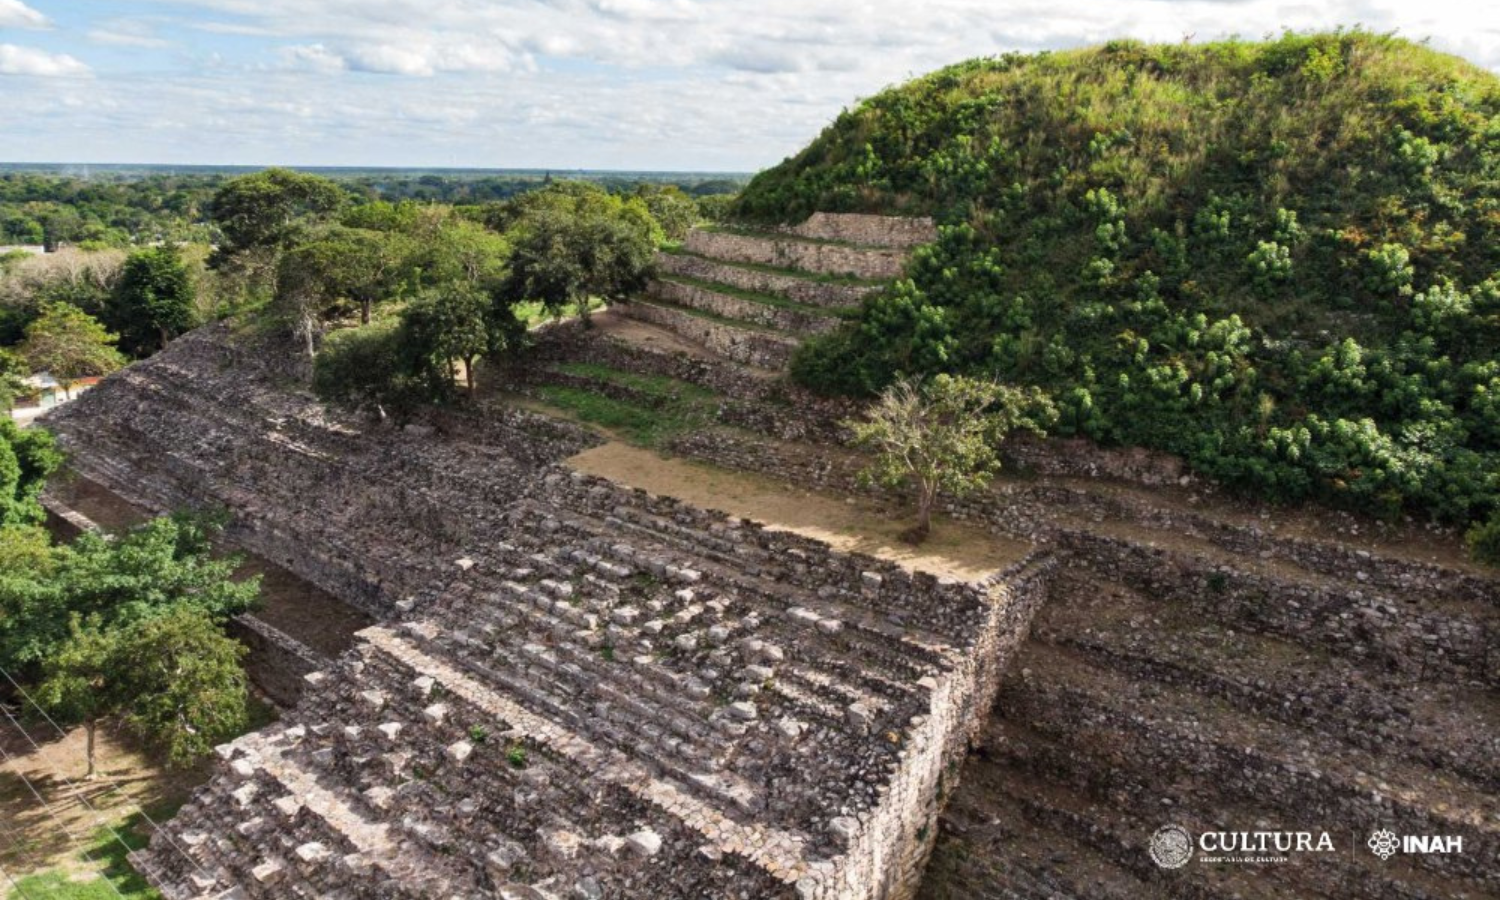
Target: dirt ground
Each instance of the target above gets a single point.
(859, 525)
(32, 838)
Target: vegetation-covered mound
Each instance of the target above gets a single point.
(1280, 260)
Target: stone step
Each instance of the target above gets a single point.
(791, 252)
(1133, 744)
(742, 342)
(795, 286)
(1118, 836)
(1444, 724)
(762, 310)
(900, 232)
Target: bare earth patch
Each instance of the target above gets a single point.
(32, 838)
(860, 525)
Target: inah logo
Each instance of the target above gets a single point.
(1171, 847)
(1384, 843)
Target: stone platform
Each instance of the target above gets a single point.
(579, 690)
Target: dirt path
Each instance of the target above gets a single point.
(858, 525)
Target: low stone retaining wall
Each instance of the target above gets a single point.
(792, 321)
(753, 348)
(276, 662)
(898, 232)
(801, 290)
(874, 264)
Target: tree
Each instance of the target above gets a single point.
(12, 379)
(943, 435)
(355, 264)
(574, 242)
(111, 583)
(154, 300)
(175, 680)
(674, 211)
(26, 459)
(265, 210)
(449, 325)
(69, 344)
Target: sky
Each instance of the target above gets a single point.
(684, 85)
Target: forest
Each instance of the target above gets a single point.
(1276, 259)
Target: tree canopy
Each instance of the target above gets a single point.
(69, 344)
(943, 435)
(27, 458)
(153, 301)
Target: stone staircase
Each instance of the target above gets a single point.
(753, 296)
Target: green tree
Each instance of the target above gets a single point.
(69, 344)
(451, 325)
(175, 680)
(154, 300)
(27, 458)
(267, 210)
(12, 379)
(574, 242)
(362, 266)
(943, 436)
(111, 583)
(674, 210)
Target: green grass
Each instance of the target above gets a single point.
(532, 313)
(764, 299)
(635, 423)
(678, 406)
(117, 878)
(819, 277)
(660, 386)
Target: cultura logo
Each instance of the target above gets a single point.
(1171, 847)
(1384, 843)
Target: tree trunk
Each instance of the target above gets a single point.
(469, 379)
(91, 727)
(364, 312)
(926, 500)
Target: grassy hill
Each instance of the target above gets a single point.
(1280, 260)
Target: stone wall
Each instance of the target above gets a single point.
(787, 319)
(875, 264)
(763, 350)
(276, 661)
(898, 232)
(831, 295)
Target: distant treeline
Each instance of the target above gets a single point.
(123, 206)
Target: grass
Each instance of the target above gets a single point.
(532, 313)
(819, 277)
(104, 858)
(678, 406)
(764, 299)
(635, 423)
(653, 385)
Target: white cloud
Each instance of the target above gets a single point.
(15, 14)
(127, 33)
(631, 83)
(16, 60)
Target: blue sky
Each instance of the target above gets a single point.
(710, 85)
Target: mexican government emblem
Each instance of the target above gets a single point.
(1171, 847)
(1384, 843)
